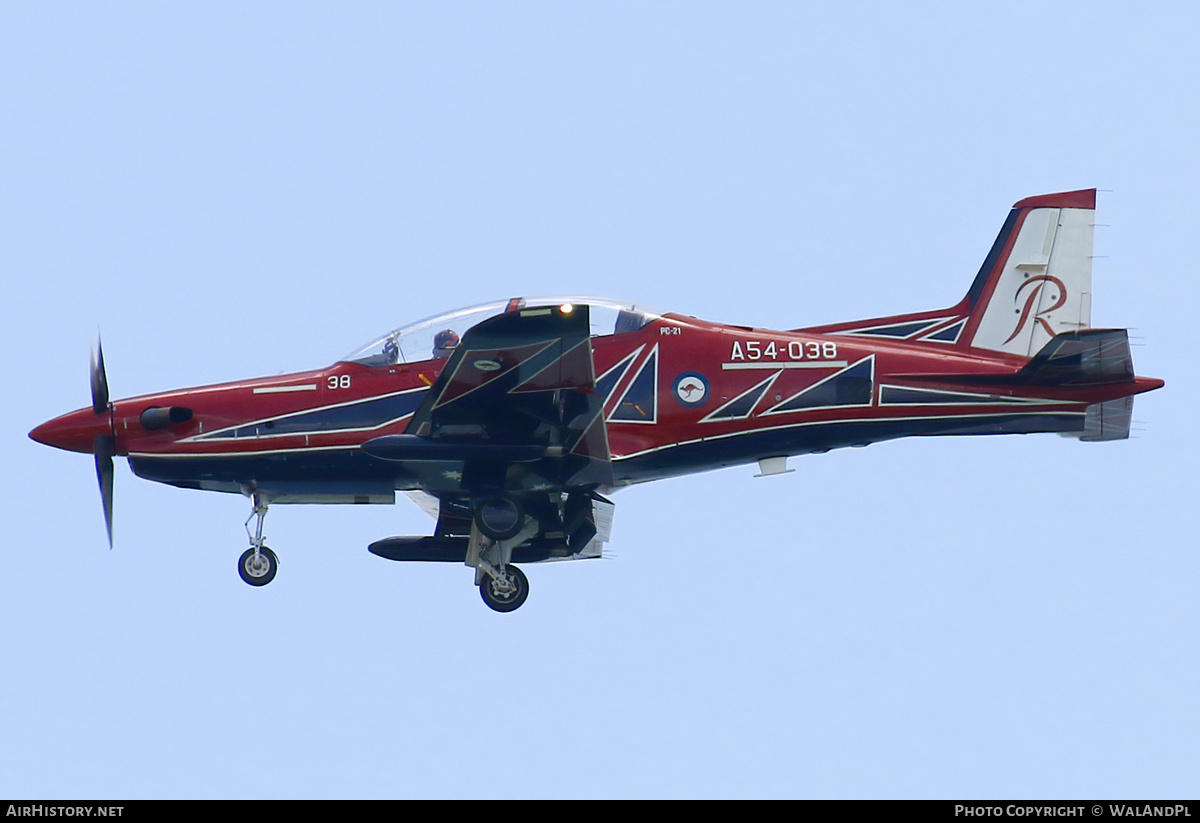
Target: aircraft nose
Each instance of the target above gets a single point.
(75, 431)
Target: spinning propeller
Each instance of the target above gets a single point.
(94, 430)
(103, 445)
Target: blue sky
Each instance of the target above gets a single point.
(234, 190)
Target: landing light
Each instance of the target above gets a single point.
(566, 308)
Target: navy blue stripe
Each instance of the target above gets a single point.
(993, 256)
(948, 334)
(902, 330)
(365, 415)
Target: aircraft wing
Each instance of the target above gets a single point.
(513, 411)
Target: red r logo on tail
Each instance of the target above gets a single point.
(1038, 283)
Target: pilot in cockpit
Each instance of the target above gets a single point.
(444, 343)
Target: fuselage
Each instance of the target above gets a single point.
(681, 395)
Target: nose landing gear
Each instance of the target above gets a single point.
(258, 564)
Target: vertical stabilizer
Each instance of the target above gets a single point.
(1037, 280)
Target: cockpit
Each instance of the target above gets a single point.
(435, 338)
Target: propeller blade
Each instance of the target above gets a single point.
(99, 382)
(103, 448)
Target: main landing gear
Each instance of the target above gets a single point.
(258, 564)
(498, 525)
(504, 591)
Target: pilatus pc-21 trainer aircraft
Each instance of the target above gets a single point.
(511, 421)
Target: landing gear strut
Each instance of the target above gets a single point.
(258, 564)
(498, 526)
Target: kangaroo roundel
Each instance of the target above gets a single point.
(691, 389)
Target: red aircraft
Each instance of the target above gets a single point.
(510, 421)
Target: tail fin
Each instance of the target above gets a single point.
(1036, 282)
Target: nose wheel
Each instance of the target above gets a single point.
(258, 567)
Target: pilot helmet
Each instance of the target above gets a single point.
(444, 341)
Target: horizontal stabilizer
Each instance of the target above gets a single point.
(1090, 357)
(1086, 357)
(1108, 421)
